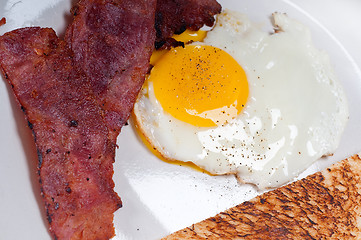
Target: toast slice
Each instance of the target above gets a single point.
(325, 205)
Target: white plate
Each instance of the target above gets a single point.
(160, 198)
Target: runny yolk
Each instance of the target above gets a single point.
(200, 85)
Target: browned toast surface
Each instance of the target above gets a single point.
(325, 205)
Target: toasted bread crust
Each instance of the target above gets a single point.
(325, 205)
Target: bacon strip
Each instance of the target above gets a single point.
(112, 42)
(66, 95)
(72, 139)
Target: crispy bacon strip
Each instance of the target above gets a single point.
(112, 42)
(175, 16)
(76, 99)
(72, 139)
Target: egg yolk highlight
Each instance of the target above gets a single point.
(190, 36)
(201, 85)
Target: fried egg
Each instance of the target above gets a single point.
(242, 101)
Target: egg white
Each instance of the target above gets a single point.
(295, 114)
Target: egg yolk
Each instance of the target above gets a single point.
(201, 85)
